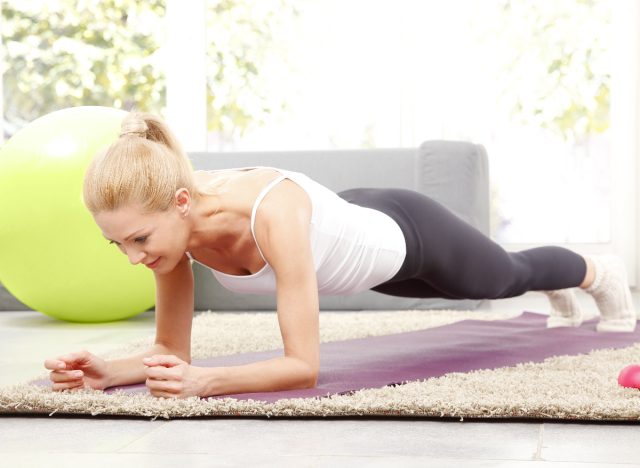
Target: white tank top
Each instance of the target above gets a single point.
(354, 248)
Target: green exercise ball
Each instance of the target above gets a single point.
(53, 256)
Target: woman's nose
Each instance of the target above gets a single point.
(135, 257)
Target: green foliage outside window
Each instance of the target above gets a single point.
(72, 53)
(67, 53)
(556, 71)
(241, 39)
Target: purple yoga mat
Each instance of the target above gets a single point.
(464, 346)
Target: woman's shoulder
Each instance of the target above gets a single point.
(240, 190)
(235, 173)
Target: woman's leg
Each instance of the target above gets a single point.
(412, 288)
(590, 275)
(455, 260)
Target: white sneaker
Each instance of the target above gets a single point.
(610, 289)
(565, 308)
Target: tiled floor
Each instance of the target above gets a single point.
(27, 338)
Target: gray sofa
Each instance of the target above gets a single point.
(454, 173)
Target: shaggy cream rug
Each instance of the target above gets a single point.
(563, 387)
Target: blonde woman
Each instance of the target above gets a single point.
(268, 230)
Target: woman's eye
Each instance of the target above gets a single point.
(140, 240)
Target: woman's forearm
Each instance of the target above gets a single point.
(131, 370)
(283, 373)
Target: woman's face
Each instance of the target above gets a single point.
(157, 240)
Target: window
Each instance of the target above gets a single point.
(66, 53)
(528, 80)
(549, 88)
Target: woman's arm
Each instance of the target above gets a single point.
(174, 311)
(174, 315)
(131, 370)
(298, 311)
(284, 239)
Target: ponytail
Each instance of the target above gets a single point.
(149, 126)
(144, 166)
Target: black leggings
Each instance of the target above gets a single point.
(449, 258)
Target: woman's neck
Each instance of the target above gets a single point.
(214, 225)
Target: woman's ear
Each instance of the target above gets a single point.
(183, 201)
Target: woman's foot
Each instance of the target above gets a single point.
(610, 289)
(565, 309)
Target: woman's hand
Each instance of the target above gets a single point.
(75, 371)
(169, 376)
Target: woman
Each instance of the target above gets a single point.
(270, 230)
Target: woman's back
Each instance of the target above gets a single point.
(352, 246)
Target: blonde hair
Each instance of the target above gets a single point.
(144, 166)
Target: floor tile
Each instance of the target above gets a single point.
(70, 435)
(143, 460)
(343, 437)
(108, 460)
(600, 443)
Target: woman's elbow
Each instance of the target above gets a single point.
(306, 376)
(312, 379)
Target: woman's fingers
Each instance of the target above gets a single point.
(166, 360)
(164, 388)
(56, 387)
(69, 360)
(54, 364)
(161, 373)
(78, 357)
(66, 376)
(165, 395)
(67, 380)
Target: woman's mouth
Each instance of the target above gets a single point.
(154, 263)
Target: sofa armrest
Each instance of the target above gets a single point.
(456, 174)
